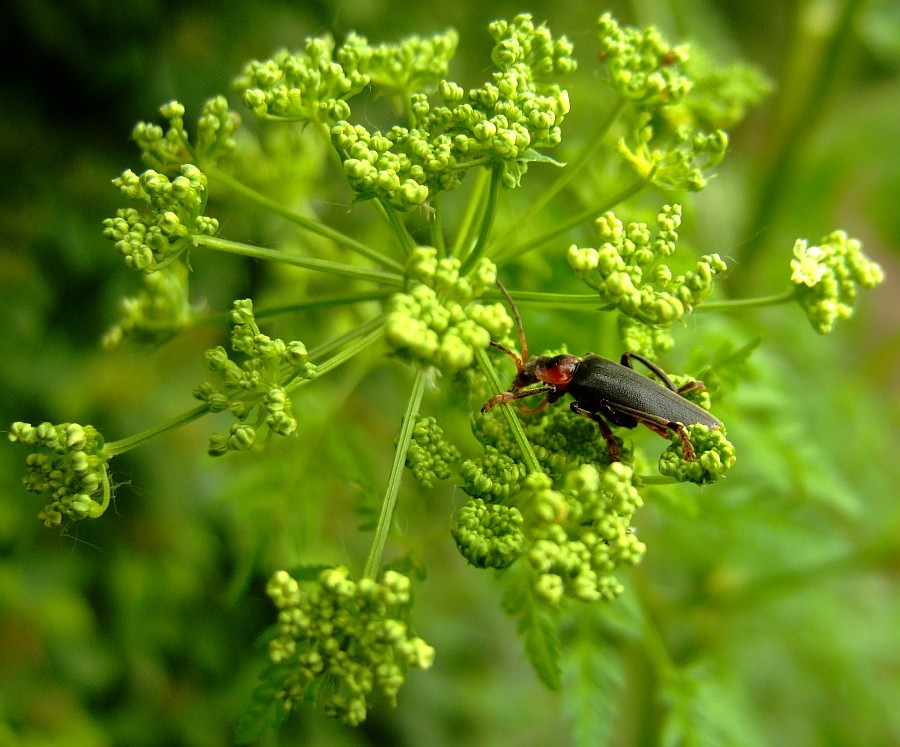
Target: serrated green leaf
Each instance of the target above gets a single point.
(593, 679)
(537, 625)
(538, 629)
(266, 710)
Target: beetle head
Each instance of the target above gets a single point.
(550, 369)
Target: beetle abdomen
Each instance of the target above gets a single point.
(599, 381)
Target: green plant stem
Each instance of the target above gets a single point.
(436, 226)
(528, 456)
(406, 241)
(107, 492)
(591, 147)
(322, 302)
(351, 344)
(585, 215)
(473, 206)
(308, 224)
(738, 304)
(487, 221)
(114, 448)
(309, 263)
(552, 300)
(373, 563)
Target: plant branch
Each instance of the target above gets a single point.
(373, 563)
(309, 263)
(560, 228)
(308, 224)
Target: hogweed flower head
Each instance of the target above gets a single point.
(345, 640)
(827, 277)
(438, 322)
(172, 211)
(629, 272)
(70, 469)
(255, 391)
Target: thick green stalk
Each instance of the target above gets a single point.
(473, 206)
(786, 152)
(373, 563)
(738, 304)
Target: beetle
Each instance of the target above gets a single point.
(604, 390)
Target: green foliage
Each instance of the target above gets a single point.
(378, 201)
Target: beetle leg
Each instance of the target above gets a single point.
(535, 410)
(510, 353)
(686, 446)
(662, 426)
(498, 399)
(692, 386)
(661, 375)
(611, 444)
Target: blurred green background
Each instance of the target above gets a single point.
(766, 610)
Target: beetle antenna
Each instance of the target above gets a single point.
(524, 345)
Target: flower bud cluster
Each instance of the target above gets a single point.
(827, 276)
(677, 161)
(414, 64)
(438, 322)
(715, 455)
(489, 535)
(628, 273)
(642, 67)
(344, 639)
(504, 122)
(579, 534)
(311, 85)
(520, 44)
(70, 471)
(564, 532)
(157, 312)
(430, 456)
(256, 391)
(172, 213)
(167, 150)
(559, 438)
(494, 476)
